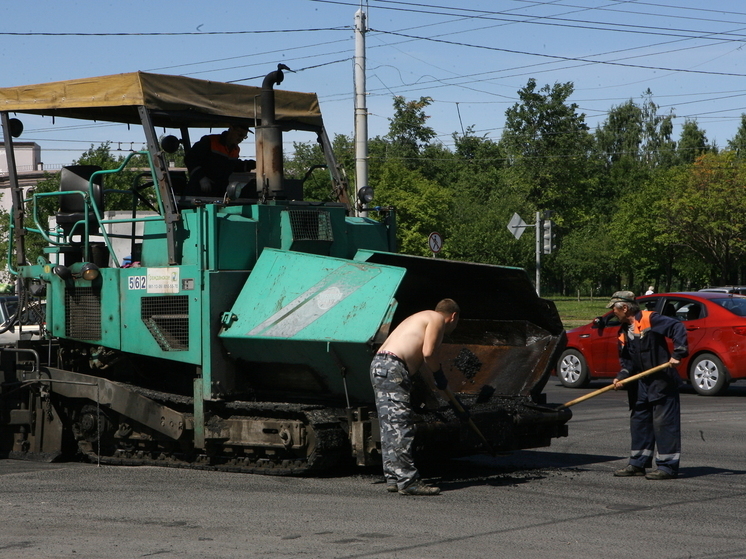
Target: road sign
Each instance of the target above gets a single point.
(436, 242)
(517, 226)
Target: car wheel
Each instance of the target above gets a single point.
(572, 369)
(707, 375)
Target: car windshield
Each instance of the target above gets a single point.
(735, 305)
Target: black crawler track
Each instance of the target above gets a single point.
(330, 445)
(507, 422)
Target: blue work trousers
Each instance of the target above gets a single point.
(656, 424)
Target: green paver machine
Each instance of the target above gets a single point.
(237, 332)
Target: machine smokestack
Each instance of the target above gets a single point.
(269, 165)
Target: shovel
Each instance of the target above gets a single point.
(611, 386)
(456, 404)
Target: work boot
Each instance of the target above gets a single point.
(392, 488)
(660, 474)
(630, 471)
(419, 488)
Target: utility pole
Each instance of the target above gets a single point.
(361, 110)
(539, 228)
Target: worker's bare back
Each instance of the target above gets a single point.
(416, 339)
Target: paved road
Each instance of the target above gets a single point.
(560, 502)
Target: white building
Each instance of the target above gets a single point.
(28, 157)
(29, 167)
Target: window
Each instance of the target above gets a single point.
(683, 309)
(735, 305)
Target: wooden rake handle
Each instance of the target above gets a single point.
(611, 386)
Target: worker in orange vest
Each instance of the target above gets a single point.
(655, 410)
(212, 160)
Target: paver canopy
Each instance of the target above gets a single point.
(173, 101)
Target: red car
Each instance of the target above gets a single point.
(716, 330)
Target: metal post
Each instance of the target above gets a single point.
(16, 193)
(361, 111)
(338, 178)
(163, 182)
(539, 232)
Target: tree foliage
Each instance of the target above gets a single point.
(632, 205)
(408, 135)
(703, 214)
(547, 145)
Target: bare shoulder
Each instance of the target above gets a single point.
(422, 318)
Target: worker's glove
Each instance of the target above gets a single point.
(205, 185)
(440, 379)
(249, 165)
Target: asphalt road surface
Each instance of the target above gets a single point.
(555, 503)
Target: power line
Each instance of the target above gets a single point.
(167, 34)
(667, 6)
(558, 57)
(559, 22)
(479, 77)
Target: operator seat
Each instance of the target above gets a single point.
(73, 206)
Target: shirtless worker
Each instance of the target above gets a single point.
(408, 348)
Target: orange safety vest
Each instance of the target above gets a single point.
(216, 146)
(638, 327)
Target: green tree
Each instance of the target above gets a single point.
(422, 206)
(632, 142)
(483, 203)
(639, 254)
(738, 142)
(658, 145)
(692, 142)
(704, 211)
(547, 146)
(586, 259)
(476, 166)
(408, 135)
(621, 135)
(478, 232)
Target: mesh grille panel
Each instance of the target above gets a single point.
(167, 319)
(311, 225)
(83, 314)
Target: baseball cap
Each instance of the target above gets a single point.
(621, 297)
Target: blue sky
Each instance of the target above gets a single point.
(471, 57)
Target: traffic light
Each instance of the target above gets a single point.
(548, 237)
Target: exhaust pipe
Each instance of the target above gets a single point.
(269, 165)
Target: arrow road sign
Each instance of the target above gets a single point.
(517, 226)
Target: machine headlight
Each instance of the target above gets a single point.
(365, 194)
(62, 271)
(89, 272)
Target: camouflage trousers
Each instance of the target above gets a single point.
(392, 384)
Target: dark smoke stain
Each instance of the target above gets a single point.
(468, 363)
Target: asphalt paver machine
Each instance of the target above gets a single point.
(236, 333)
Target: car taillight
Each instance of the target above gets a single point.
(740, 330)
